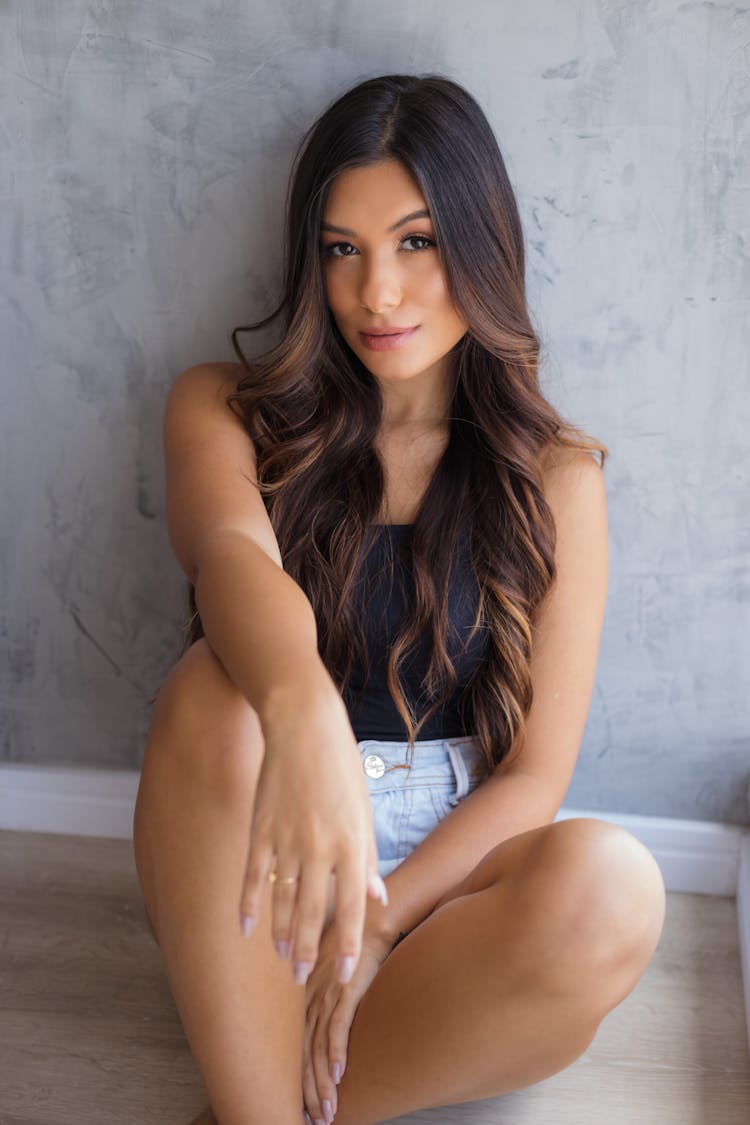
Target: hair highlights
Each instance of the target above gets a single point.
(312, 410)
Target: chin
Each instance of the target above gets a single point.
(393, 364)
(394, 374)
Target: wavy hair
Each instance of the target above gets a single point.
(313, 409)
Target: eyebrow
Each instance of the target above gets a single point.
(422, 214)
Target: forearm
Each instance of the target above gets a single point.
(260, 624)
(500, 807)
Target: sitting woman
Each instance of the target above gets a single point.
(397, 549)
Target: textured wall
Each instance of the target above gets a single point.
(143, 155)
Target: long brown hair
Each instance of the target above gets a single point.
(313, 409)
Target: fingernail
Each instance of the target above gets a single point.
(318, 1121)
(378, 886)
(345, 968)
(328, 1111)
(336, 1072)
(301, 971)
(248, 925)
(307, 1117)
(282, 948)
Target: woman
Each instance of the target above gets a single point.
(398, 551)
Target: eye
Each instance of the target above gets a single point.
(331, 250)
(426, 242)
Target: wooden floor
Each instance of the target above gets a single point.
(89, 1034)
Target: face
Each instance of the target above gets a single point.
(384, 278)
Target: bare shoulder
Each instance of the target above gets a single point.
(211, 465)
(566, 470)
(574, 487)
(206, 379)
(196, 409)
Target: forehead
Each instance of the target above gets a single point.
(375, 194)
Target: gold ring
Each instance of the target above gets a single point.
(274, 878)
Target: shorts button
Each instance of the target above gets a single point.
(374, 765)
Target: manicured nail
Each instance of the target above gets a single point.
(248, 925)
(282, 948)
(328, 1111)
(377, 885)
(336, 1072)
(345, 968)
(307, 1117)
(318, 1121)
(301, 971)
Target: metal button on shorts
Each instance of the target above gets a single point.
(374, 765)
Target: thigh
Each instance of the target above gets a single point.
(202, 731)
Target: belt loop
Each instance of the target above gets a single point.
(459, 769)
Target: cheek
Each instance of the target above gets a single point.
(458, 326)
(434, 289)
(336, 291)
(328, 289)
(437, 296)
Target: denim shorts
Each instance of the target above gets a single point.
(408, 801)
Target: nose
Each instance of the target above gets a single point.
(380, 287)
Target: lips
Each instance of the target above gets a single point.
(386, 339)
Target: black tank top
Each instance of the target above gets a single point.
(373, 713)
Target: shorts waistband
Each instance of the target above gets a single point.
(434, 761)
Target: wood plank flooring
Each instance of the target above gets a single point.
(89, 1034)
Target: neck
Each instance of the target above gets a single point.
(420, 403)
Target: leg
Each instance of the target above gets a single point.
(506, 983)
(242, 1012)
(549, 932)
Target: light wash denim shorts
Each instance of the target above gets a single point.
(409, 801)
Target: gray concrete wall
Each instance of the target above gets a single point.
(144, 150)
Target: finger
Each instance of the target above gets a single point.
(350, 913)
(309, 1089)
(339, 1027)
(310, 1093)
(254, 882)
(326, 1087)
(309, 917)
(375, 886)
(284, 895)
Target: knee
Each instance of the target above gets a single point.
(608, 898)
(201, 724)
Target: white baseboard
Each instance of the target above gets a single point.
(71, 801)
(743, 920)
(693, 855)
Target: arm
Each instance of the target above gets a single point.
(256, 619)
(262, 628)
(527, 794)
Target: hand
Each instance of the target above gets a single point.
(313, 820)
(330, 1010)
